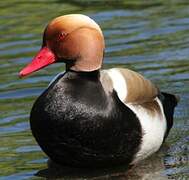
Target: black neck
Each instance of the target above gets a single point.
(91, 74)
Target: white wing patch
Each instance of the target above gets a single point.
(119, 83)
(153, 126)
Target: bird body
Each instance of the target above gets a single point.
(88, 117)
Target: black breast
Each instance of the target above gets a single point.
(76, 123)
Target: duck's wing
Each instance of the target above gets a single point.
(141, 97)
(153, 109)
(130, 86)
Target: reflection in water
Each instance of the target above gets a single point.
(148, 169)
(150, 37)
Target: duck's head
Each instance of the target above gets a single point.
(74, 39)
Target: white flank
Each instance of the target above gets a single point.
(54, 79)
(153, 127)
(119, 83)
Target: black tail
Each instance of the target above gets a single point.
(169, 102)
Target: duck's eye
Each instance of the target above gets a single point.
(61, 36)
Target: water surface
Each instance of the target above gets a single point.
(151, 38)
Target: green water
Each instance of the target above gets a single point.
(150, 37)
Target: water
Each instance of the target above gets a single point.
(151, 38)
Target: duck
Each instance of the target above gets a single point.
(89, 116)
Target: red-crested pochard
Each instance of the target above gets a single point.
(88, 117)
